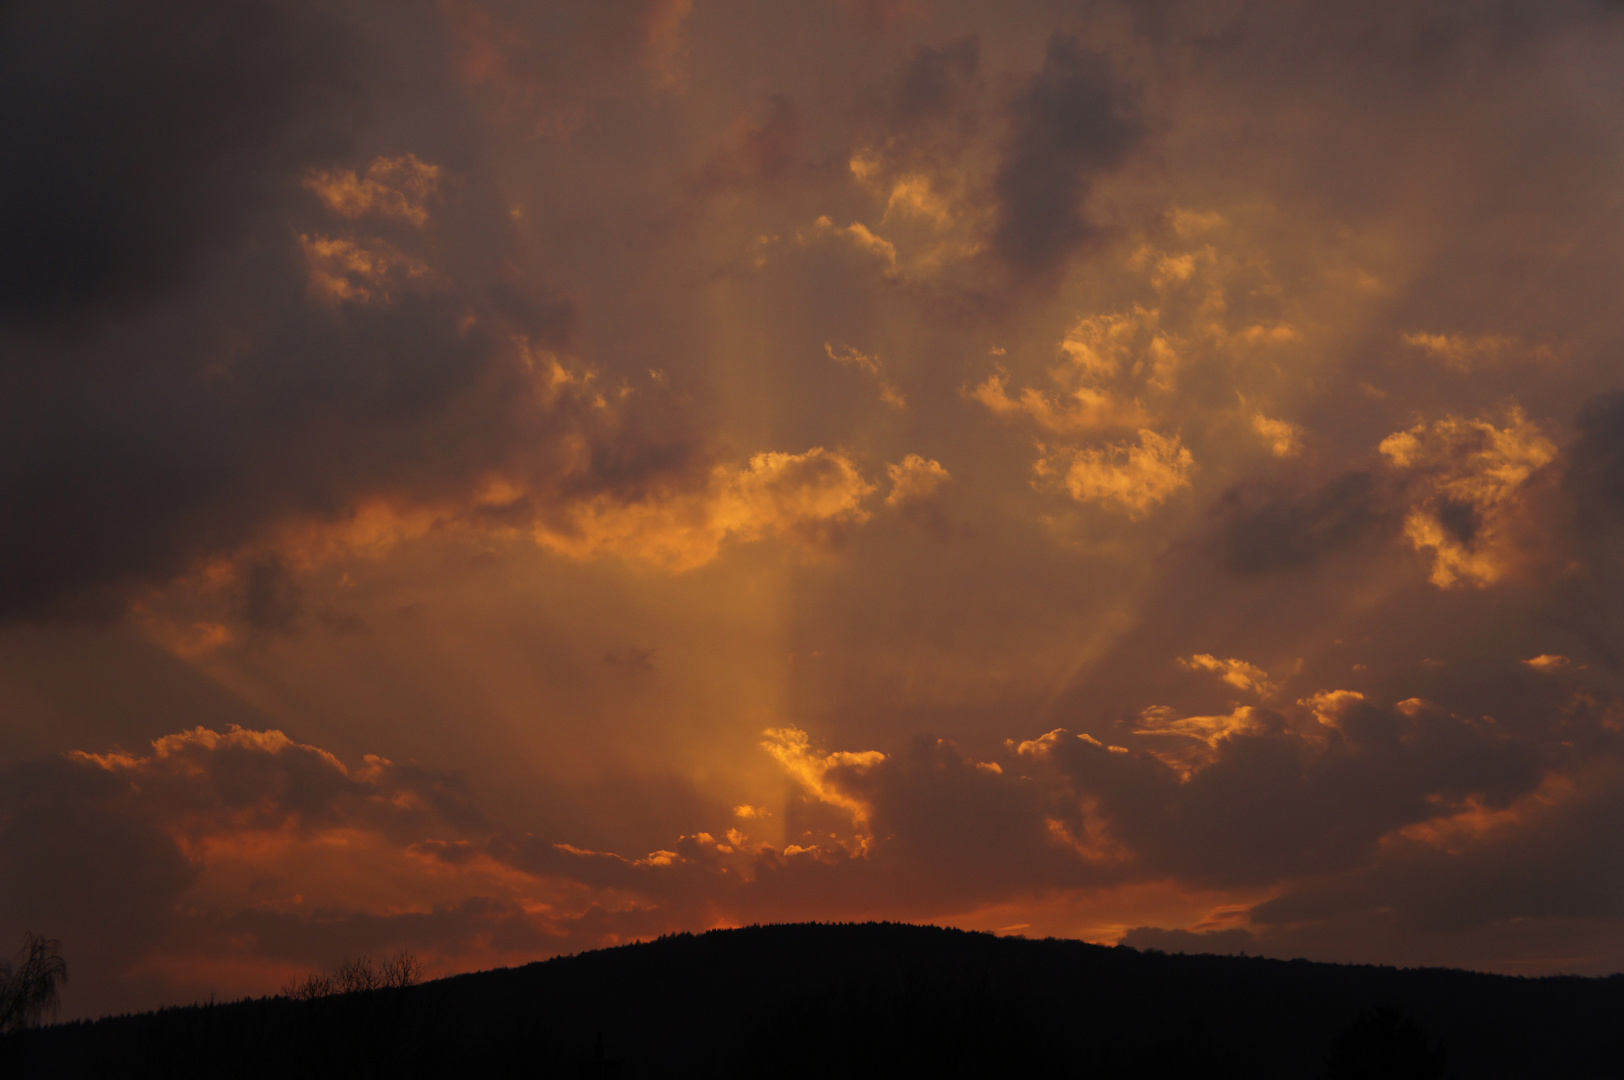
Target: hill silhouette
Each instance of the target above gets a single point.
(877, 1000)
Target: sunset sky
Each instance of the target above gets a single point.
(504, 477)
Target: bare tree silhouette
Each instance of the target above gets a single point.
(359, 973)
(29, 990)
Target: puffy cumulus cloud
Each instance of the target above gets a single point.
(914, 478)
(1207, 322)
(1083, 409)
(1285, 438)
(1470, 474)
(1129, 348)
(1237, 673)
(813, 497)
(1108, 363)
(553, 486)
(1329, 706)
(1133, 477)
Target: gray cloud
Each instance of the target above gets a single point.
(1261, 530)
(1074, 121)
(142, 144)
(174, 387)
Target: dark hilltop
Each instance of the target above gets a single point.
(877, 1000)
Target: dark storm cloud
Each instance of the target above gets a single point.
(1075, 121)
(171, 384)
(1274, 804)
(140, 139)
(933, 84)
(1595, 473)
(925, 116)
(1544, 879)
(1261, 530)
(99, 851)
(80, 859)
(271, 600)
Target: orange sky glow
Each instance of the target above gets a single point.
(498, 478)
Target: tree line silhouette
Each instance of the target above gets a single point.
(874, 1000)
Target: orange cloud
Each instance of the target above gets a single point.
(1285, 438)
(1237, 673)
(400, 187)
(1132, 477)
(1470, 473)
(810, 497)
(1329, 706)
(914, 478)
(792, 749)
(359, 271)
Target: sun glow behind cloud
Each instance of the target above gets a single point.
(499, 479)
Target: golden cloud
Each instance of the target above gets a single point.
(1329, 706)
(1237, 673)
(1101, 347)
(1133, 477)
(1204, 733)
(913, 478)
(400, 187)
(1160, 720)
(1470, 473)
(809, 497)
(792, 749)
(361, 271)
(1285, 438)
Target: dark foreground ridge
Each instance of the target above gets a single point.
(873, 1000)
